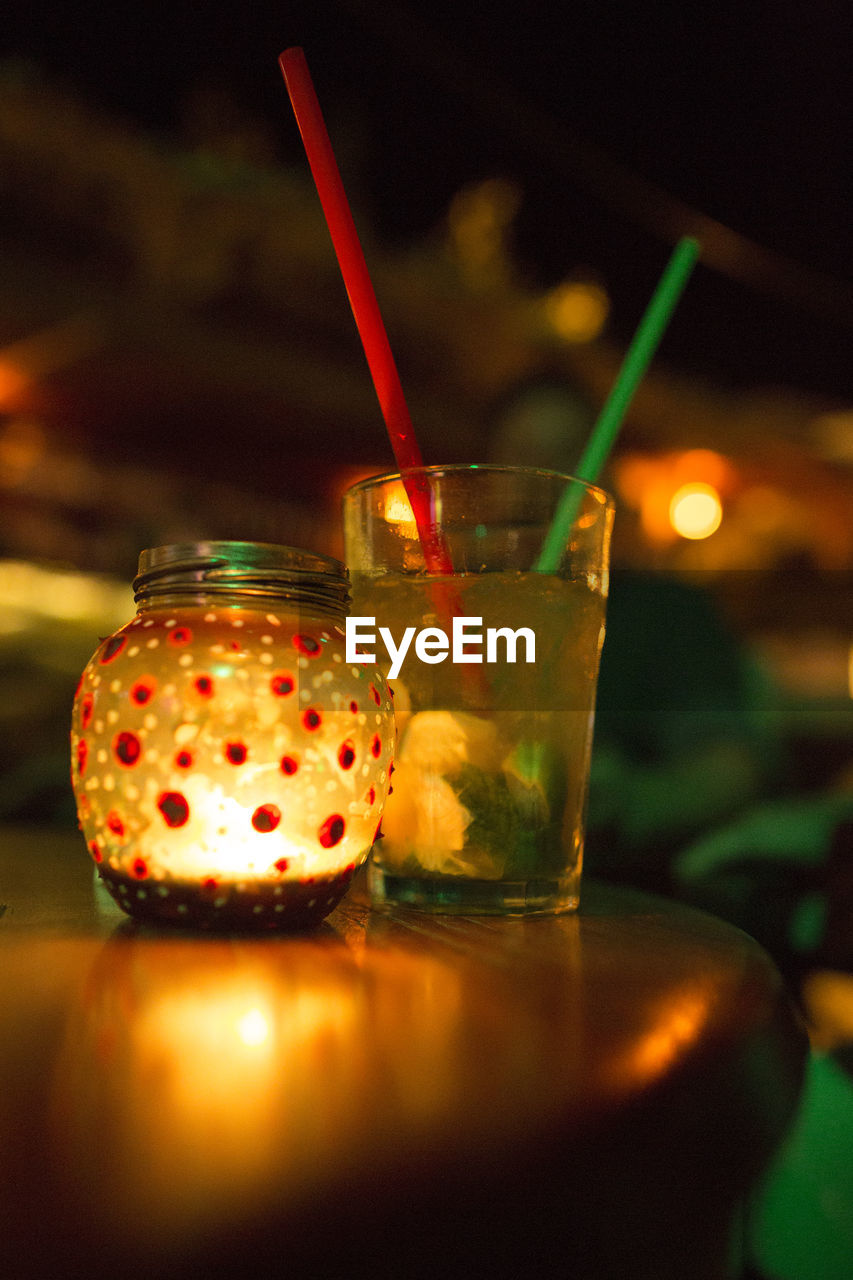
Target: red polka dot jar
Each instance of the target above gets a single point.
(230, 767)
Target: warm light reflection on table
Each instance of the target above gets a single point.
(390, 1090)
(673, 1030)
(227, 1072)
(199, 1056)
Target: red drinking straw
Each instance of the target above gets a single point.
(365, 308)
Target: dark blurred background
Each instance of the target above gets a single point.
(177, 354)
(178, 357)
(152, 166)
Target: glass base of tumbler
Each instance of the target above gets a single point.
(456, 895)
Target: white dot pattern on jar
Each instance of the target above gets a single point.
(207, 761)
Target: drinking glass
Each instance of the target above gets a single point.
(494, 694)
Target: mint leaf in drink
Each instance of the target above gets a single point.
(535, 773)
(494, 824)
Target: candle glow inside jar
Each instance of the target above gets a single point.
(230, 767)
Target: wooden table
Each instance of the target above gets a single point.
(397, 1095)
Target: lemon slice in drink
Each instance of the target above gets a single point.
(424, 819)
(443, 741)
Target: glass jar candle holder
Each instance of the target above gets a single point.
(229, 766)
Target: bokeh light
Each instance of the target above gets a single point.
(479, 222)
(577, 310)
(398, 509)
(695, 510)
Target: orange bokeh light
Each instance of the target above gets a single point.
(654, 485)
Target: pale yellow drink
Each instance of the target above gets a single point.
(487, 802)
(489, 793)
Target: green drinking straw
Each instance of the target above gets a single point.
(643, 346)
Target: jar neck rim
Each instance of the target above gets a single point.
(246, 569)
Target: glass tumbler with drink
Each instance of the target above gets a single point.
(493, 669)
